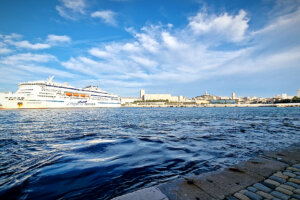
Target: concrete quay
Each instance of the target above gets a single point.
(272, 175)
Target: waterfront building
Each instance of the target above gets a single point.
(160, 97)
(298, 95)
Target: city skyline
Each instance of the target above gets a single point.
(178, 47)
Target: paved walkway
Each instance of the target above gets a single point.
(272, 175)
(280, 185)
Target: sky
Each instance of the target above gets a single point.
(182, 47)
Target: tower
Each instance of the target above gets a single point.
(142, 93)
(298, 95)
(233, 95)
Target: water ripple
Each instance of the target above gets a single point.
(103, 153)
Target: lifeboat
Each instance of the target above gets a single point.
(83, 95)
(76, 95)
(69, 94)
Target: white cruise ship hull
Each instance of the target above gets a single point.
(40, 104)
(48, 94)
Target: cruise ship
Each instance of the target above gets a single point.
(49, 94)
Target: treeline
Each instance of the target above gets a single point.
(293, 100)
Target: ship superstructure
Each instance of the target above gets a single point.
(49, 94)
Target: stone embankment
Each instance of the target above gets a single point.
(272, 175)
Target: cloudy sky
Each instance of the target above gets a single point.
(182, 47)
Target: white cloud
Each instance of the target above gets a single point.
(12, 36)
(99, 53)
(27, 45)
(58, 38)
(144, 61)
(45, 70)
(131, 47)
(232, 28)
(148, 42)
(165, 55)
(170, 41)
(71, 8)
(5, 50)
(52, 40)
(107, 16)
(27, 58)
(75, 5)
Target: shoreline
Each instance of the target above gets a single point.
(157, 105)
(263, 177)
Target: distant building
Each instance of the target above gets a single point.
(142, 93)
(284, 96)
(125, 100)
(277, 96)
(207, 96)
(162, 97)
(233, 95)
(298, 95)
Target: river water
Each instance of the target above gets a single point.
(103, 153)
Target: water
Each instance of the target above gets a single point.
(103, 153)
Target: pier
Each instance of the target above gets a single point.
(272, 175)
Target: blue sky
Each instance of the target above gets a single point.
(182, 47)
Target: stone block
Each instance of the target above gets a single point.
(261, 166)
(251, 189)
(269, 185)
(253, 196)
(290, 155)
(297, 191)
(243, 191)
(284, 191)
(297, 165)
(262, 187)
(265, 195)
(241, 196)
(277, 179)
(152, 193)
(296, 196)
(290, 174)
(225, 182)
(272, 182)
(288, 187)
(293, 185)
(294, 169)
(294, 180)
(183, 189)
(231, 198)
(279, 195)
(281, 175)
